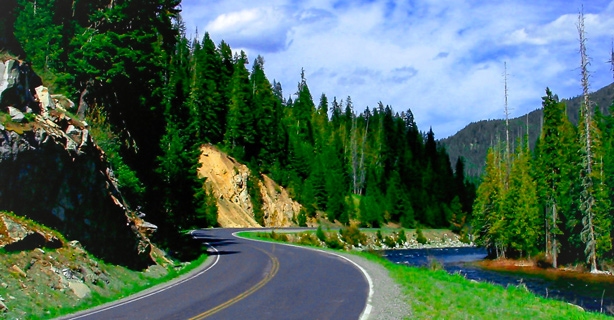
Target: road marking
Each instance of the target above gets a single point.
(367, 310)
(245, 294)
(130, 300)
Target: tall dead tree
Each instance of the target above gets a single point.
(507, 119)
(588, 234)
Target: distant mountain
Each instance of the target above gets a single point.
(474, 140)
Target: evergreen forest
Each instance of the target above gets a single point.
(557, 199)
(153, 97)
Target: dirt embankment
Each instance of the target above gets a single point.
(43, 275)
(227, 178)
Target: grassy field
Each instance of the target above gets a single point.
(435, 294)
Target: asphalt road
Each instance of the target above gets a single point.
(252, 280)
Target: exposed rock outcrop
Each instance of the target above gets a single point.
(228, 180)
(51, 171)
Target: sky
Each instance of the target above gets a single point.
(442, 59)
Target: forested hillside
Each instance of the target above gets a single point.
(153, 97)
(473, 141)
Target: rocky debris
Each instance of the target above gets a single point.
(53, 172)
(15, 236)
(18, 270)
(16, 115)
(228, 180)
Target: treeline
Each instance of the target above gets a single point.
(373, 167)
(558, 198)
(546, 201)
(153, 97)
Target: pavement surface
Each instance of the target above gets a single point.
(249, 279)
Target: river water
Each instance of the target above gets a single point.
(586, 292)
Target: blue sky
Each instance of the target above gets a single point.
(442, 59)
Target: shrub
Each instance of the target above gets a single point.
(302, 218)
(353, 236)
(379, 236)
(402, 237)
(389, 241)
(278, 236)
(334, 242)
(320, 234)
(420, 237)
(434, 264)
(308, 239)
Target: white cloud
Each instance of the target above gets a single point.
(442, 59)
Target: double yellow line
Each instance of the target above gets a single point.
(245, 294)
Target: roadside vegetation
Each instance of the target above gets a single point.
(435, 294)
(62, 278)
(432, 293)
(354, 238)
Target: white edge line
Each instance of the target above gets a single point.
(367, 310)
(129, 300)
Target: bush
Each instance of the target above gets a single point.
(306, 238)
(420, 237)
(320, 234)
(379, 236)
(389, 242)
(434, 264)
(353, 236)
(402, 237)
(334, 242)
(302, 218)
(278, 236)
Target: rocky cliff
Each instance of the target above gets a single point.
(228, 180)
(51, 171)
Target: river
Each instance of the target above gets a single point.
(583, 291)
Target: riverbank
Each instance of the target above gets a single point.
(435, 294)
(535, 267)
(354, 239)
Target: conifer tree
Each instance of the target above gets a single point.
(488, 207)
(240, 135)
(525, 226)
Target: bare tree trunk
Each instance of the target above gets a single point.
(507, 122)
(555, 247)
(83, 106)
(354, 155)
(585, 87)
(588, 233)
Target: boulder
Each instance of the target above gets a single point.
(79, 289)
(16, 115)
(18, 86)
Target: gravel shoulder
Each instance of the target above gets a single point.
(388, 301)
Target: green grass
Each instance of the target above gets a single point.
(435, 294)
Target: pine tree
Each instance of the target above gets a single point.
(488, 217)
(240, 136)
(525, 226)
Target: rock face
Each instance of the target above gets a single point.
(228, 180)
(51, 171)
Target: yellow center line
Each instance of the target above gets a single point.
(245, 294)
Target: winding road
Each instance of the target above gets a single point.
(248, 279)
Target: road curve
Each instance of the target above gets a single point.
(252, 280)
